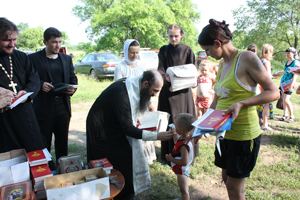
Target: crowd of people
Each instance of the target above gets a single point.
(242, 82)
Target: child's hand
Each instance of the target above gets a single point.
(169, 157)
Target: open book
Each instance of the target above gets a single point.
(154, 121)
(295, 69)
(16, 101)
(278, 73)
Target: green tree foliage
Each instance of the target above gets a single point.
(30, 38)
(268, 21)
(22, 26)
(114, 21)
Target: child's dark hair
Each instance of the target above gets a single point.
(215, 30)
(185, 120)
(252, 47)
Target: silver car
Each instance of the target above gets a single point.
(98, 65)
(149, 59)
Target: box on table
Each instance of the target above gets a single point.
(16, 168)
(97, 189)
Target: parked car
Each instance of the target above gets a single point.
(201, 55)
(148, 58)
(98, 64)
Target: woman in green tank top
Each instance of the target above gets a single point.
(235, 92)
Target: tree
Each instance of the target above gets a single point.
(114, 21)
(270, 21)
(31, 38)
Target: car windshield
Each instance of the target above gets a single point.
(201, 53)
(107, 57)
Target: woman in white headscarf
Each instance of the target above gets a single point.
(130, 67)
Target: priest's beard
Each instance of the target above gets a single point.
(144, 100)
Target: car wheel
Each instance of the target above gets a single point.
(93, 74)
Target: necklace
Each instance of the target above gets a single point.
(12, 84)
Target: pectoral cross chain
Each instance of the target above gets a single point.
(12, 84)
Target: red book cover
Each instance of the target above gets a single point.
(147, 129)
(215, 120)
(36, 155)
(103, 162)
(40, 171)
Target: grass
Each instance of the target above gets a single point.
(276, 175)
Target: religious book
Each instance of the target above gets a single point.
(212, 120)
(295, 69)
(16, 101)
(285, 85)
(103, 162)
(154, 121)
(278, 73)
(69, 164)
(40, 172)
(22, 191)
(183, 76)
(60, 87)
(224, 127)
(39, 157)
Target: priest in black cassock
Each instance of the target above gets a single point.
(181, 101)
(112, 133)
(18, 126)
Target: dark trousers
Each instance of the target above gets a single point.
(57, 123)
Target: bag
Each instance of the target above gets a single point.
(279, 104)
(183, 76)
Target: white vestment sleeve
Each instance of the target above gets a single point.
(149, 136)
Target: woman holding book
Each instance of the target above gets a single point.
(292, 55)
(235, 92)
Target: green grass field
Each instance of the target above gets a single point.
(276, 175)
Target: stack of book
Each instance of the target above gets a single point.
(39, 173)
(38, 161)
(103, 162)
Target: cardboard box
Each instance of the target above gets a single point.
(10, 172)
(93, 190)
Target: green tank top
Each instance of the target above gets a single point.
(229, 91)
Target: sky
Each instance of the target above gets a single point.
(58, 14)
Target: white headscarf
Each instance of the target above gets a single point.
(126, 48)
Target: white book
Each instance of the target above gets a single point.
(154, 121)
(18, 100)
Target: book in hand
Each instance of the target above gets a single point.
(16, 101)
(278, 73)
(154, 121)
(212, 121)
(60, 87)
(39, 157)
(285, 85)
(295, 69)
(22, 190)
(103, 162)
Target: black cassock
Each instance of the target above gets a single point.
(108, 123)
(18, 126)
(175, 102)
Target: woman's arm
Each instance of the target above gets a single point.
(254, 72)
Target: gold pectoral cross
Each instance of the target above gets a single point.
(13, 86)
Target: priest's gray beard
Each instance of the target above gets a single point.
(144, 100)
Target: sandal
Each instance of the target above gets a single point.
(292, 119)
(283, 118)
(266, 128)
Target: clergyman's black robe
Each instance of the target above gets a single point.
(108, 123)
(175, 102)
(18, 126)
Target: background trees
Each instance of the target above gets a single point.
(268, 21)
(114, 21)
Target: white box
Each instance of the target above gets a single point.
(13, 168)
(92, 190)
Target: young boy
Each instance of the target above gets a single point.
(182, 153)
